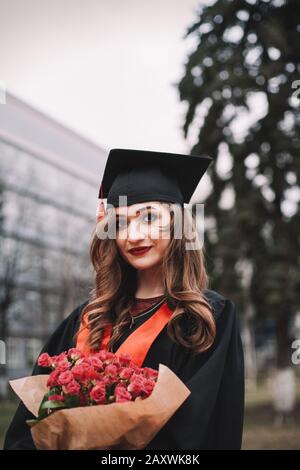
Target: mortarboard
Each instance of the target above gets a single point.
(150, 176)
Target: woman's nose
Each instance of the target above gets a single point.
(135, 232)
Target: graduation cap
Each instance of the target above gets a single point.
(150, 176)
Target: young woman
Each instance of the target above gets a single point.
(151, 288)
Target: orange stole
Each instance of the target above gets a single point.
(138, 343)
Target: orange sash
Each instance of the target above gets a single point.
(138, 343)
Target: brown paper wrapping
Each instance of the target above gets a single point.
(31, 390)
(123, 426)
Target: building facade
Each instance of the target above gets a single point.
(49, 182)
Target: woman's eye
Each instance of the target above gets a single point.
(150, 217)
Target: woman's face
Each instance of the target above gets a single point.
(138, 226)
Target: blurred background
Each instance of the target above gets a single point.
(218, 78)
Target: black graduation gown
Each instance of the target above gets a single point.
(212, 415)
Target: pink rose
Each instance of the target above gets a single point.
(92, 374)
(53, 379)
(111, 371)
(98, 394)
(71, 388)
(148, 387)
(126, 373)
(74, 354)
(79, 371)
(57, 359)
(65, 377)
(125, 360)
(63, 365)
(44, 360)
(121, 394)
(84, 371)
(150, 373)
(61, 357)
(95, 362)
(136, 386)
(106, 356)
(106, 380)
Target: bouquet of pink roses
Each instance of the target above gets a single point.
(71, 402)
(98, 379)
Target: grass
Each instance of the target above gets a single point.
(260, 428)
(7, 410)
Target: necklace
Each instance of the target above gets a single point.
(147, 311)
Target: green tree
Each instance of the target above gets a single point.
(239, 86)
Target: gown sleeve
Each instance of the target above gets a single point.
(18, 435)
(212, 416)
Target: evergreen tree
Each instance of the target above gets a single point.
(247, 56)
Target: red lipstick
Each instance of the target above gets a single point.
(140, 251)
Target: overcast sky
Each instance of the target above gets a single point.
(104, 68)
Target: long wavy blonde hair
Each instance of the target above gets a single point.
(184, 280)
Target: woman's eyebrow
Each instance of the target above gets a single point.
(139, 211)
